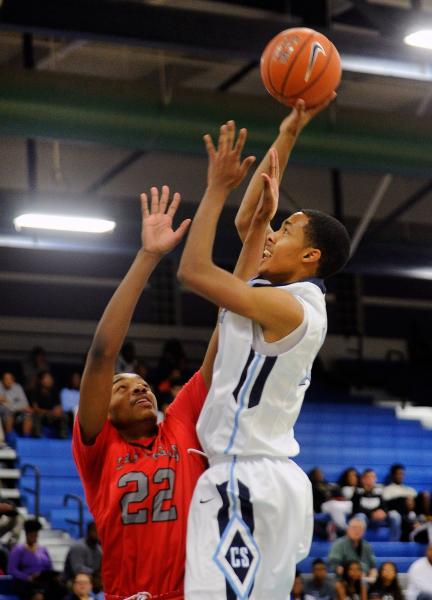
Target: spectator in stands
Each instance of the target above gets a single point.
(352, 547)
(69, 396)
(387, 584)
(14, 407)
(368, 505)
(85, 555)
(31, 567)
(127, 361)
(420, 578)
(81, 587)
(36, 363)
(400, 496)
(98, 586)
(320, 587)
(348, 482)
(422, 533)
(297, 592)
(11, 521)
(45, 401)
(350, 586)
(327, 498)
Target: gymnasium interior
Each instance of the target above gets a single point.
(102, 99)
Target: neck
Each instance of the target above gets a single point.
(139, 430)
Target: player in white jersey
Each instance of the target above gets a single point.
(251, 515)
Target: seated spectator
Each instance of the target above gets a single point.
(422, 533)
(31, 567)
(14, 408)
(400, 497)
(420, 578)
(11, 521)
(81, 587)
(35, 363)
(69, 396)
(369, 506)
(352, 547)
(327, 498)
(350, 586)
(85, 555)
(387, 584)
(320, 587)
(297, 589)
(47, 408)
(348, 482)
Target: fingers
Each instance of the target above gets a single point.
(154, 194)
(144, 206)
(230, 135)
(164, 199)
(174, 205)
(181, 229)
(211, 150)
(241, 140)
(246, 165)
(222, 143)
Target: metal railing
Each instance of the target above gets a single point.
(80, 503)
(33, 491)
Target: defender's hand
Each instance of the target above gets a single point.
(226, 170)
(157, 235)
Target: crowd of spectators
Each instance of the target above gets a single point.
(37, 403)
(405, 511)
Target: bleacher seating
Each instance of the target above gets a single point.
(335, 436)
(58, 477)
(332, 436)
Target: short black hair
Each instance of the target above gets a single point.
(32, 525)
(396, 467)
(318, 561)
(331, 237)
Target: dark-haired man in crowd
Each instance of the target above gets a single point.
(45, 401)
(85, 555)
(368, 504)
(320, 587)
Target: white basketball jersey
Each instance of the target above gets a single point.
(258, 387)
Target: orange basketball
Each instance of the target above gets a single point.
(300, 63)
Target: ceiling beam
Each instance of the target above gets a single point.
(131, 114)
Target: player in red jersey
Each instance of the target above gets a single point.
(139, 476)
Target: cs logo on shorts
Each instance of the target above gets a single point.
(238, 557)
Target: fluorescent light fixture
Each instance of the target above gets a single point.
(420, 39)
(63, 223)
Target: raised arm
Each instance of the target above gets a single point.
(289, 131)
(278, 312)
(158, 238)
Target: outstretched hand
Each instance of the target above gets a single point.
(268, 203)
(300, 116)
(157, 235)
(226, 170)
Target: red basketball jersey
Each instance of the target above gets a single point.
(139, 494)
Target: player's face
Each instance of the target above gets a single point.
(285, 250)
(132, 400)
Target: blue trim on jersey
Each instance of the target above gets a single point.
(237, 516)
(241, 406)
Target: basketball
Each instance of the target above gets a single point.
(300, 63)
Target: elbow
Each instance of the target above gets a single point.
(185, 274)
(101, 351)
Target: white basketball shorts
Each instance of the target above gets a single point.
(250, 522)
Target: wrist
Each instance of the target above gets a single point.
(218, 191)
(149, 257)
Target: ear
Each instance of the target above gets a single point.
(311, 255)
